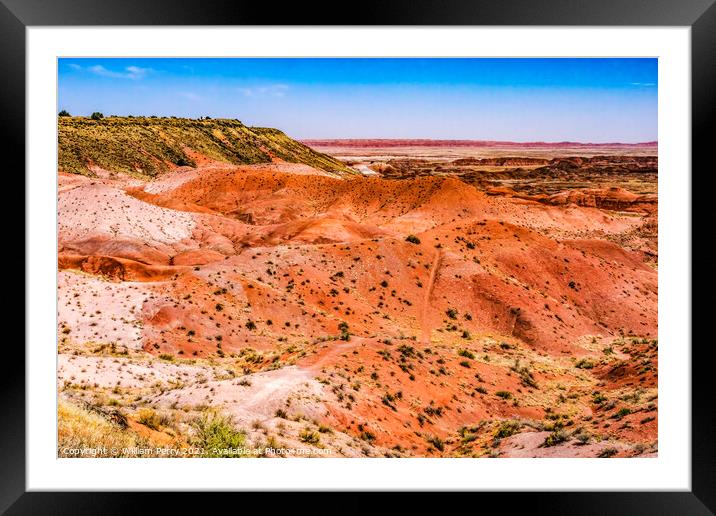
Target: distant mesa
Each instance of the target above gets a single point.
(426, 142)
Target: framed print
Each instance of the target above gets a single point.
(437, 249)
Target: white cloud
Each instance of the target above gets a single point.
(130, 72)
(642, 83)
(272, 90)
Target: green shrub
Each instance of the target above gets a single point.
(607, 453)
(505, 395)
(598, 398)
(216, 433)
(433, 411)
(96, 115)
(367, 436)
(507, 428)
(309, 437)
(407, 351)
(583, 438)
(625, 411)
(412, 239)
(63, 113)
(584, 364)
(345, 333)
(436, 442)
(556, 437)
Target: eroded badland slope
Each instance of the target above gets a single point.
(355, 316)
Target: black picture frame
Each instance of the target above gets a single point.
(700, 15)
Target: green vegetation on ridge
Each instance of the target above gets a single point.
(148, 146)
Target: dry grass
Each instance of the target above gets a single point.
(78, 428)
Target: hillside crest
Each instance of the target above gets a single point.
(149, 146)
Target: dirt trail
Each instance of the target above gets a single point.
(276, 386)
(425, 328)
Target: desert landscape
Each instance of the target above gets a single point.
(229, 291)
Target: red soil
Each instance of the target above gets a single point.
(247, 257)
(615, 199)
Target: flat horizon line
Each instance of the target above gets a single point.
(477, 142)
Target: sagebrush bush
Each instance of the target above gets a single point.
(507, 428)
(216, 433)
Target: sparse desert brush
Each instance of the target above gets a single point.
(78, 428)
(598, 398)
(433, 411)
(345, 333)
(553, 439)
(507, 428)
(582, 437)
(309, 437)
(525, 374)
(273, 443)
(584, 363)
(216, 435)
(152, 419)
(436, 442)
(607, 453)
(412, 239)
(624, 411)
(367, 435)
(466, 353)
(467, 435)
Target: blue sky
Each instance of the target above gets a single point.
(551, 99)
